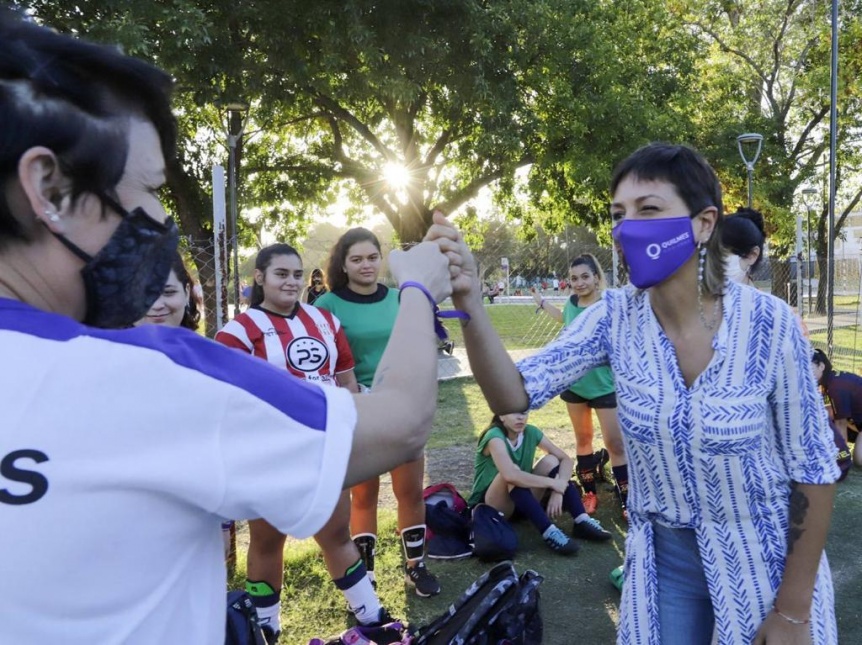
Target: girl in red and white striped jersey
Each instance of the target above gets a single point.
(310, 344)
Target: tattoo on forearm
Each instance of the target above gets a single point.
(798, 510)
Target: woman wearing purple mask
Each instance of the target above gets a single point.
(731, 462)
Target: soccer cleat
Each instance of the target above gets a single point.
(591, 502)
(590, 529)
(270, 636)
(422, 580)
(618, 577)
(560, 542)
(602, 458)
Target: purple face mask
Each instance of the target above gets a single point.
(655, 249)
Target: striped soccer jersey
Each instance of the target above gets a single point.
(310, 343)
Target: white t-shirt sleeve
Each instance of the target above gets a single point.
(287, 468)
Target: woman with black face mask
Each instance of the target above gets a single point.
(315, 288)
(111, 510)
(731, 461)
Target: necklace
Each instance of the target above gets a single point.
(714, 319)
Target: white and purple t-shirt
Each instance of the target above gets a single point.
(120, 454)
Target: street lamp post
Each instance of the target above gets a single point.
(808, 196)
(742, 141)
(236, 113)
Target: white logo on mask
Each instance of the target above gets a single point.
(653, 251)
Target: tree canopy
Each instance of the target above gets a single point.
(403, 106)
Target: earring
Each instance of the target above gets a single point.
(52, 215)
(701, 288)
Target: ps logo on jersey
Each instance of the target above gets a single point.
(307, 354)
(11, 470)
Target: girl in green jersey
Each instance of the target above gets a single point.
(367, 311)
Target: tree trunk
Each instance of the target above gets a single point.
(413, 223)
(822, 283)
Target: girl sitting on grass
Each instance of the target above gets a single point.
(506, 478)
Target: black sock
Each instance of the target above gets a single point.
(586, 471)
(572, 503)
(621, 475)
(530, 507)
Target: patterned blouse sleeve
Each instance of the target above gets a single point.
(580, 347)
(803, 435)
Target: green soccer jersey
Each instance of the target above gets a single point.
(367, 322)
(597, 382)
(485, 469)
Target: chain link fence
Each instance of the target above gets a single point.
(510, 303)
(524, 330)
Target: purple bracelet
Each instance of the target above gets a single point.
(438, 326)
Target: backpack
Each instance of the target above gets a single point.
(497, 608)
(242, 623)
(494, 539)
(448, 523)
(389, 634)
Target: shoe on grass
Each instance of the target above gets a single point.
(590, 529)
(560, 542)
(423, 581)
(618, 577)
(270, 636)
(591, 502)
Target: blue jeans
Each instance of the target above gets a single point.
(684, 606)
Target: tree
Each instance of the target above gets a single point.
(766, 69)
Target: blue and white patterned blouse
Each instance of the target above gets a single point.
(717, 457)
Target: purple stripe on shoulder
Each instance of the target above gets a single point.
(301, 401)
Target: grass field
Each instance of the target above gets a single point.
(578, 602)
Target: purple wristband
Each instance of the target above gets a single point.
(438, 326)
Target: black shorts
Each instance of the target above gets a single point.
(604, 402)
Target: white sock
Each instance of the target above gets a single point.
(583, 517)
(363, 601)
(270, 617)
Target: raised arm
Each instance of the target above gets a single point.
(394, 419)
(491, 364)
(546, 307)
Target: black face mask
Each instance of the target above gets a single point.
(127, 276)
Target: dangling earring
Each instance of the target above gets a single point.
(701, 289)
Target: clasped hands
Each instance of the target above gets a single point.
(442, 262)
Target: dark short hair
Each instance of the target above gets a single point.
(262, 262)
(743, 232)
(74, 98)
(694, 181)
(690, 174)
(336, 278)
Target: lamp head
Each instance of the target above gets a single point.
(809, 194)
(749, 139)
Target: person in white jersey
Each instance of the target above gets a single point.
(310, 344)
(85, 249)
